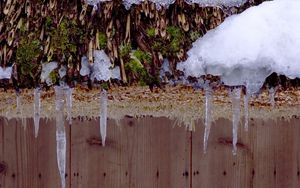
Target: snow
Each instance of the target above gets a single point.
(36, 110)
(248, 47)
(227, 3)
(5, 73)
(235, 100)
(101, 66)
(101, 69)
(47, 68)
(103, 115)
(166, 3)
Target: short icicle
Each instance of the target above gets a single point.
(60, 134)
(37, 110)
(208, 116)
(235, 99)
(103, 115)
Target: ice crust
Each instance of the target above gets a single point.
(248, 47)
(166, 3)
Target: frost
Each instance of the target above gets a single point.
(36, 110)
(208, 116)
(5, 73)
(103, 115)
(235, 99)
(61, 141)
(47, 68)
(245, 54)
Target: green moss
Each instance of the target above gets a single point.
(54, 77)
(27, 54)
(176, 39)
(124, 49)
(143, 56)
(102, 40)
(194, 35)
(104, 85)
(63, 38)
(150, 32)
(48, 22)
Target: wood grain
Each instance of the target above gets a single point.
(151, 152)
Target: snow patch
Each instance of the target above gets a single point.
(47, 68)
(101, 69)
(5, 73)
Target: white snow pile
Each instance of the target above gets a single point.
(248, 47)
(47, 68)
(5, 73)
(101, 69)
(166, 3)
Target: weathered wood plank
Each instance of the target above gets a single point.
(31, 162)
(139, 153)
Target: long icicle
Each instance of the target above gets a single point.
(235, 99)
(103, 115)
(60, 134)
(37, 110)
(208, 116)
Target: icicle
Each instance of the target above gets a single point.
(272, 92)
(208, 116)
(246, 109)
(60, 134)
(37, 110)
(68, 94)
(235, 99)
(103, 115)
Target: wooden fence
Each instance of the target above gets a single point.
(151, 152)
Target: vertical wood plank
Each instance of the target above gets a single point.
(140, 153)
(218, 167)
(268, 155)
(31, 162)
